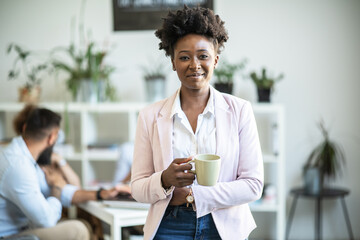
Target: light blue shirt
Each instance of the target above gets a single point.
(25, 199)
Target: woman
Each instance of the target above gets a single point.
(196, 119)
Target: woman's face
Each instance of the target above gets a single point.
(194, 60)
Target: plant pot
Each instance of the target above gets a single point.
(313, 181)
(264, 94)
(87, 91)
(224, 87)
(155, 89)
(29, 95)
(101, 91)
(91, 91)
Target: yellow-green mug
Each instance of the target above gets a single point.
(207, 169)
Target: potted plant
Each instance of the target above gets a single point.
(224, 75)
(88, 78)
(155, 79)
(264, 84)
(27, 63)
(324, 163)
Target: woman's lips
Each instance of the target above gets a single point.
(196, 75)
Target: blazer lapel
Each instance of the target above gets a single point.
(165, 128)
(224, 124)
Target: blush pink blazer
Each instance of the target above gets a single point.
(241, 174)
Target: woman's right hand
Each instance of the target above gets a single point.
(175, 174)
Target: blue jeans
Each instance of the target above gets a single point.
(180, 223)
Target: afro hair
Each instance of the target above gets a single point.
(195, 20)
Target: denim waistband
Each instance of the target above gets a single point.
(173, 209)
(184, 206)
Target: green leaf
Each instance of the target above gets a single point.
(264, 82)
(225, 71)
(9, 48)
(328, 156)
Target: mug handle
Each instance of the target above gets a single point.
(192, 171)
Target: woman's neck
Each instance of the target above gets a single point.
(194, 99)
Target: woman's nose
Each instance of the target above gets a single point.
(195, 63)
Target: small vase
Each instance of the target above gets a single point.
(87, 91)
(313, 181)
(263, 94)
(224, 87)
(101, 91)
(155, 89)
(29, 95)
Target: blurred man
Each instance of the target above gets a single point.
(23, 207)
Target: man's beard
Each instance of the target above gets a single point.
(45, 157)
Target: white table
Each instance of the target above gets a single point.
(116, 217)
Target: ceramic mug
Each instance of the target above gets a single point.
(207, 168)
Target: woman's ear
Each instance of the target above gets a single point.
(216, 61)
(173, 64)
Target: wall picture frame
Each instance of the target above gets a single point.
(146, 14)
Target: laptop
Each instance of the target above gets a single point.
(124, 200)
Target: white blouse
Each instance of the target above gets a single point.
(185, 142)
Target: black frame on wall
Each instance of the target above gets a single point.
(147, 14)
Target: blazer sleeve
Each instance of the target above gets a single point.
(248, 184)
(145, 182)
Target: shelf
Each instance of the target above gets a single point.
(11, 107)
(79, 107)
(114, 107)
(103, 154)
(263, 207)
(266, 108)
(270, 158)
(103, 158)
(72, 157)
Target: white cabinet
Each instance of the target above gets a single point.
(116, 122)
(84, 125)
(269, 213)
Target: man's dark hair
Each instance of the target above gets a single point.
(196, 20)
(21, 117)
(39, 122)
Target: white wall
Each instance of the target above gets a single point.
(314, 43)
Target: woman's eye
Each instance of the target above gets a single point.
(183, 58)
(204, 56)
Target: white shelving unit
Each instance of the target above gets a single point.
(271, 125)
(116, 122)
(86, 126)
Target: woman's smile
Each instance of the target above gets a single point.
(196, 75)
